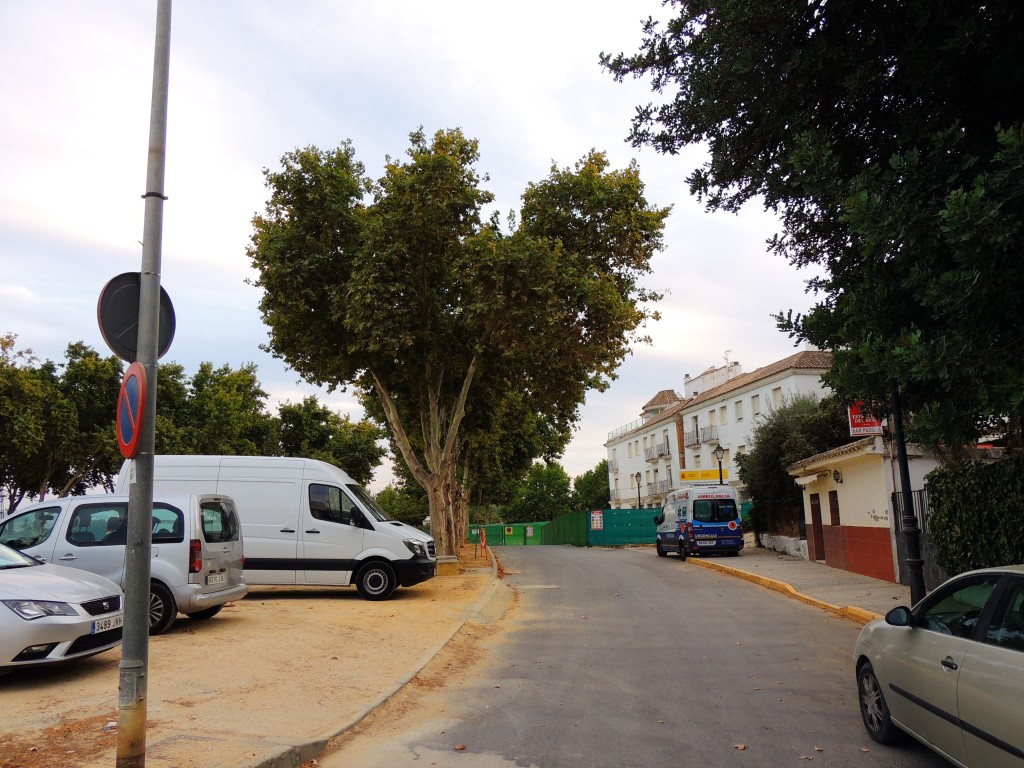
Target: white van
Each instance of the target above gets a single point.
(196, 565)
(305, 522)
(700, 519)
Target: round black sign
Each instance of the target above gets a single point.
(118, 316)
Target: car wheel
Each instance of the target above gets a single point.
(873, 709)
(657, 546)
(733, 553)
(162, 610)
(376, 580)
(206, 613)
(682, 551)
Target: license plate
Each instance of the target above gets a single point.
(706, 543)
(102, 625)
(217, 578)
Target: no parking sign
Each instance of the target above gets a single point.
(131, 407)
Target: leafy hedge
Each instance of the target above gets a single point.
(977, 514)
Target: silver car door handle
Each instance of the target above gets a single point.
(313, 531)
(68, 556)
(948, 663)
(287, 530)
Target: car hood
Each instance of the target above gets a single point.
(53, 582)
(404, 530)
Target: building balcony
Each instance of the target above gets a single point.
(691, 439)
(709, 434)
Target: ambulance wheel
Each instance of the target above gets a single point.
(376, 580)
(657, 546)
(682, 551)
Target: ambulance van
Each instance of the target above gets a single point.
(700, 519)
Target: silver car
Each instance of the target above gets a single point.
(51, 613)
(950, 671)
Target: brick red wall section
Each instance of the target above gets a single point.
(859, 549)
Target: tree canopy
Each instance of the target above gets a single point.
(888, 138)
(802, 426)
(462, 332)
(57, 421)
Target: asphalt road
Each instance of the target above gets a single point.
(616, 658)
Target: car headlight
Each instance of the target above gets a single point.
(37, 609)
(416, 547)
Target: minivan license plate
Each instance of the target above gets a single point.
(102, 625)
(216, 578)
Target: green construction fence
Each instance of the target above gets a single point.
(596, 528)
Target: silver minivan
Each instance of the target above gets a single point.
(197, 555)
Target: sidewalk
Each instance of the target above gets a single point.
(843, 593)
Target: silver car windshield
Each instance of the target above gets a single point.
(12, 558)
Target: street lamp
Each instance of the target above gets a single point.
(719, 453)
(638, 477)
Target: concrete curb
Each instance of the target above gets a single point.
(860, 615)
(298, 754)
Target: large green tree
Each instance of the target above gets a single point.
(590, 490)
(21, 420)
(313, 430)
(411, 297)
(888, 138)
(544, 494)
(802, 426)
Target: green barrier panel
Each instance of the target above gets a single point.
(515, 535)
(534, 533)
(618, 527)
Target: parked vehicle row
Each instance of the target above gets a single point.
(301, 522)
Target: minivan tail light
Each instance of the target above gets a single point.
(195, 559)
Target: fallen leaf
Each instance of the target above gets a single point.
(661, 721)
(818, 749)
(758, 689)
(740, 747)
(864, 749)
(460, 747)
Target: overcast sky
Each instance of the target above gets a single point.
(252, 79)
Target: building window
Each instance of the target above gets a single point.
(723, 417)
(740, 450)
(755, 405)
(833, 507)
(777, 397)
(696, 461)
(713, 418)
(738, 410)
(629, 450)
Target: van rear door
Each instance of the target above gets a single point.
(220, 543)
(716, 525)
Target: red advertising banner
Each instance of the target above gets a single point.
(863, 422)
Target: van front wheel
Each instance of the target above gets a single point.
(376, 581)
(162, 610)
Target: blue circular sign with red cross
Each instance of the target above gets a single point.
(131, 405)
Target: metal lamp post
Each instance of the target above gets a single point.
(719, 453)
(638, 478)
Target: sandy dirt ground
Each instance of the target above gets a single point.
(284, 666)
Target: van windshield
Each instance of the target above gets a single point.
(714, 510)
(367, 502)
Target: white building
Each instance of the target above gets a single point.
(674, 440)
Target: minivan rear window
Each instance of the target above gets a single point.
(714, 510)
(220, 523)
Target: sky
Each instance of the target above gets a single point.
(251, 80)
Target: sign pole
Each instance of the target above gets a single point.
(133, 682)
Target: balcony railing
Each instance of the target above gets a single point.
(709, 434)
(623, 430)
(691, 439)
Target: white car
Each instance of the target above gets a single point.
(950, 671)
(51, 613)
